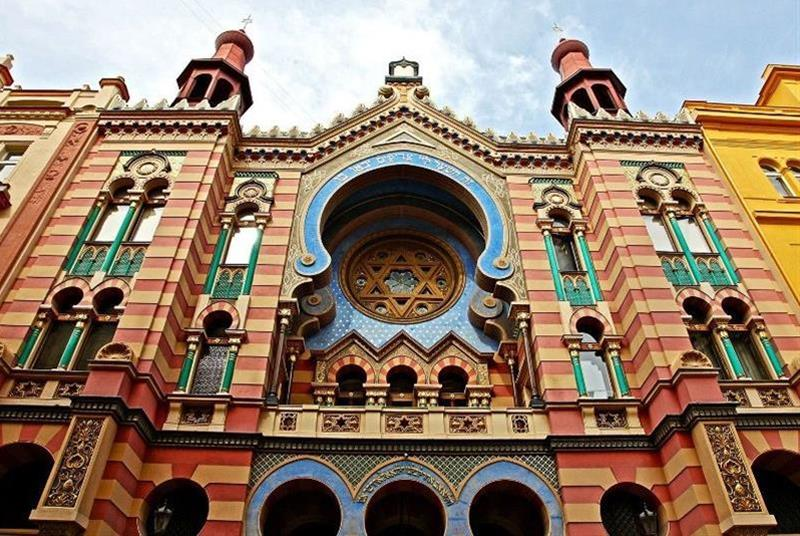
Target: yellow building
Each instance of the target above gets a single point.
(757, 148)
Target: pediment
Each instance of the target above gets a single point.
(404, 136)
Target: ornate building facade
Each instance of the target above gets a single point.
(394, 324)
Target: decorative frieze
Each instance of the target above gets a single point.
(197, 414)
(732, 468)
(520, 424)
(341, 422)
(68, 389)
(74, 463)
(287, 421)
(467, 424)
(775, 398)
(403, 424)
(26, 389)
(736, 395)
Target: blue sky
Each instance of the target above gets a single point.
(489, 60)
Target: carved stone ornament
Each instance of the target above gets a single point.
(26, 389)
(148, 165)
(736, 395)
(695, 359)
(520, 424)
(611, 418)
(467, 424)
(341, 422)
(287, 421)
(67, 389)
(405, 470)
(403, 424)
(732, 468)
(115, 351)
(197, 414)
(21, 130)
(775, 398)
(74, 463)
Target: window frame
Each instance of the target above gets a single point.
(11, 156)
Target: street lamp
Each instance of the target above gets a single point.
(648, 521)
(161, 518)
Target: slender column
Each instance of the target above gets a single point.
(227, 378)
(251, 267)
(589, 265)
(577, 369)
(774, 360)
(513, 373)
(288, 395)
(730, 351)
(551, 257)
(123, 230)
(723, 253)
(186, 368)
(619, 372)
(72, 343)
(218, 249)
(523, 325)
(684, 246)
(29, 344)
(83, 234)
(284, 316)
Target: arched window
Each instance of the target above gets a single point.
(244, 236)
(214, 354)
(592, 359)
(701, 336)
(742, 340)
(778, 477)
(687, 222)
(108, 227)
(777, 180)
(302, 507)
(177, 506)
(351, 391)
(200, 87)
(506, 508)
(604, 98)
(581, 98)
(24, 468)
(407, 508)
(59, 330)
(630, 510)
(566, 255)
(454, 386)
(149, 215)
(401, 381)
(222, 91)
(654, 223)
(102, 327)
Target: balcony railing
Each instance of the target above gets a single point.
(129, 260)
(711, 269)
(90, 259)
(577, 288)
(230, 279)
(676, 269)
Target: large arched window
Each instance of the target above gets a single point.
(405, 508)
(581, 99)
(301, 507)
(703, 340)
(454, 386)
(200, 87)
(24, 468)
(401, 381)
(506, 508)
(777, 180)
(630, 510)
(566, 255)
(593, 363)
(222, 91)
(215, 349)
(238, 252)
(742, 340)
(778, 476)
(178, 506)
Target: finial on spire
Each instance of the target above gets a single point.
(558, 30)
(245, 21)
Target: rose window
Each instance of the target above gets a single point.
(402, 277)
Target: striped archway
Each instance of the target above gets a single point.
(455, 361)
(401, 361)
(342, 362)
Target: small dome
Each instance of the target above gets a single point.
(564, 47)
(238, 38)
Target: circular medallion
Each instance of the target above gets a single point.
(402, 277)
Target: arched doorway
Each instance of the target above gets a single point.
(630, 510)
(24, 468)
(178, 507)
(405, 508)
(506, 508)
(301, 508)
(778, 476)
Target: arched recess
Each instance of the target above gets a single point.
(454, 361)
(507, 471)
(24, 468)
(777, 473)
(200, 322)
(304, 469)
(345, 361)
(177, 506)
(628, 509)
(401, 361)
(315, 260)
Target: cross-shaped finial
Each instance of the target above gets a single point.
(245, 21)
(559, 31)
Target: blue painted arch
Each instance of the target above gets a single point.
(496, 233)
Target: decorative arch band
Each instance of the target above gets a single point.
(316, 259)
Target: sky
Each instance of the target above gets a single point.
(489, 60)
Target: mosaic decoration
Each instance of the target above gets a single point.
(399, 277)
(378, 332)
(732, 468)
(316, 258)
(405, 469)
(210, 368)
(74, 463)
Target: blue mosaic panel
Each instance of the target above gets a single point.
(427, 333)
(495, 239)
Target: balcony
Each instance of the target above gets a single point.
(709, 266)
(712, 270)
(229, 282)
(90, 259)
(129, 260)
(676, 269)
(577, 288)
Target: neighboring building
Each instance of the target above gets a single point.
(757, 150)
(395, 324)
